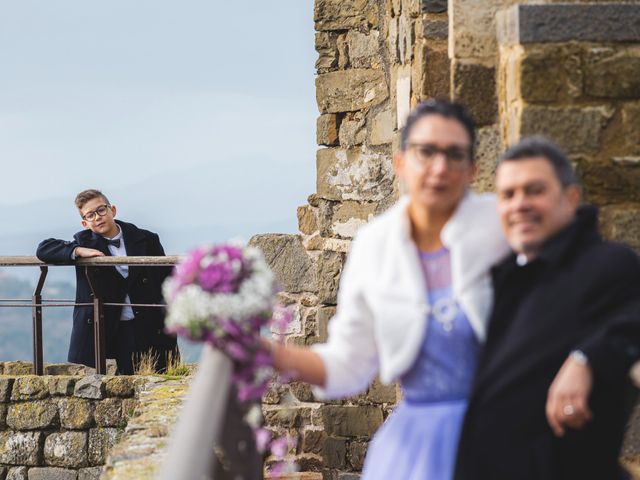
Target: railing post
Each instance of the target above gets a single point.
(36, 312)
(99, 341)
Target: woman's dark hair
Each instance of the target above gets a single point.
(539, 146)
(444, 108)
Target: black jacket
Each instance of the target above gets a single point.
(143, 285)
(580, 292)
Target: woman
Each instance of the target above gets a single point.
(414, 299)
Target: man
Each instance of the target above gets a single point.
(552, 393)
(130, 331)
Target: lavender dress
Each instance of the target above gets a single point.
(420, 438)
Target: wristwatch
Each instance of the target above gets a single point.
(579, 357)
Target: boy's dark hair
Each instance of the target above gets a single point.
(86, 195)
(445, 108)
(539, 146)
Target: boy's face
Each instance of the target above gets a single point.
(99, 217)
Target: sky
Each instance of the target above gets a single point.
(197, 118)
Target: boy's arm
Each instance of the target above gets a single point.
(53, 250)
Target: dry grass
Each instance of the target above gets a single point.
(146, 364)
(176, 367)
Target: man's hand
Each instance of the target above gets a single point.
(568, 399)
(82, 252)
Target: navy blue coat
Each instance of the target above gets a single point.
(580, 292)
(143, 285)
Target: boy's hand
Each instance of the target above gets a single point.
(82, 252)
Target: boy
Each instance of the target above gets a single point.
(130, 331)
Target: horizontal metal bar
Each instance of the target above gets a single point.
(71, 304)
(106, 261)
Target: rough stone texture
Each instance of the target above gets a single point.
(61, 385)
(313, 440)
(120, 386)
(629, 138)
(350, 90)
(475, 87)
(108, 413)
(434, 6)
(75, 413)
(613, 74)
(344, 14)
(101, 441)
(551, 74)
(17, 473)
(289, 261)
(323, 316)
(30, 388)
(32, 415)
(69, 369)
(326, 46)
(363, 49)
(21, 448)
(6, 386)
(3, 473)
(351, 421)
(605, 183)
(307, 219)
(352, 130)
(379, 393)
(3, 416)
(91, 473)
(622, 224)
(330, 268)
(90, 387)
(577, 129)
(564, 23)
(343, 219)
(327, 129)
(488, 149)
(334, 452)
(52, 474)
(353, 175)
(382, 131)
(66, 449)
(18, 368)
(357, 452)
(435, 29)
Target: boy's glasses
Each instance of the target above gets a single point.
(101, 211)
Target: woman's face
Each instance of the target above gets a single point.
(436, 166)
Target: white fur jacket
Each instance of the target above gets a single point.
(381, 317)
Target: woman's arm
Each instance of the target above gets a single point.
(298, 362)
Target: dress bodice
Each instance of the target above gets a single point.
(445, 366)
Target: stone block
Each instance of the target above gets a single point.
(604, 23)
(287, 417)
(90, 473)
(357, 452)
(21, 448)
(307, 219)
(406, 39)
(91, 387)
(431, 71)
(3, 472)
(75, 413)
(329, 270)
(578, 130)
(6, 386)
(18, 368)
(334, 452)
(61, 385)
(382, 128)
(69, 369)
(17, 473)
(326, 46)
(313, 440)
(343, 219)
(434, 6)
(52, 473)
(629, 131)
(611, 73)
(344, 14)
(488, 149)
(129, 407)
(288, 259)
(350, 90)
(32, 415)
(101, 441)
(364, 49)
(108, 413)
(551, 74)
(621, 224)
(323, 316)
(3, 417)
(351, 421)
(435, 29)
(30, 388)
(353, 175)
(327, 129)
(66, 449)
(474, 85)
(605, 183)
(379, 393)
(301, 391)
(120, 386)
(352, 130)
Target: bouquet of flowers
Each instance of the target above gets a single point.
(225, 295)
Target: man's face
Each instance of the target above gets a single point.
(104, 225)
(436, 168)
(532, 203)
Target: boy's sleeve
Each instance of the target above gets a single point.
(53, 250)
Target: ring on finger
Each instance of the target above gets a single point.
(568, 410)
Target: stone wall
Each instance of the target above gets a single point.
(569, 70)
(60, 426)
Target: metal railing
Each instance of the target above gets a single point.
(36, 302)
